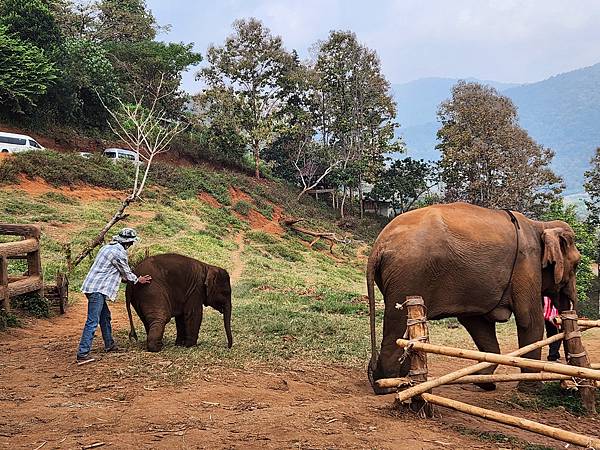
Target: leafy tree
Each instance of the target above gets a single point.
(86, 76)
(219, 121)
(143, 65)
(31, 21)
(592, 187)
(587, 244)
(25, 72)
(356, 110)
(123, 21)
(487, 158)
(404, 183)
(252, 63)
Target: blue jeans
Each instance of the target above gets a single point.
(98, 313)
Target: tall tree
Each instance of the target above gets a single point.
(487, 158)
(592, 187)
(403, 183)
(25, 72)
(32, 21)
(357, 111)
(252, 63)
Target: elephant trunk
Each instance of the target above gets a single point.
(227, 323)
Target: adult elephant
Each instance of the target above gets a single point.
(478, 265)
(180, 288)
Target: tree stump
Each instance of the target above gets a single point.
(418, 330)
(577, 356)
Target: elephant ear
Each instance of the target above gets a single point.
(553, 253)
(210, 282)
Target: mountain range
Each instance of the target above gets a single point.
(561, 112)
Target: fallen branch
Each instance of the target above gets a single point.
(326, 235)
(94, 445)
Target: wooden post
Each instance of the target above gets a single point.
(523, 424)
(577, 356)
(418, 331)
(5, 298)
(445, 379)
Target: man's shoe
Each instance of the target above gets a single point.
(84, 359)
(114, 348)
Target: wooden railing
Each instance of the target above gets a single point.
(27, 248)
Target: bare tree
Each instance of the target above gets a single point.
(147, 131)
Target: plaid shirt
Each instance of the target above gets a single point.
(109, 268)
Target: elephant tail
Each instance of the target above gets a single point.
(372, 267)
(128, 294)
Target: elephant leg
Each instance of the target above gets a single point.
(193, 320)
(181, 334)
(530, 328)
(155, 336)
(483, 333)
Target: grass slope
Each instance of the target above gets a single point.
(292, 304)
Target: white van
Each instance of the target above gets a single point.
(15, 143)
(120, 153)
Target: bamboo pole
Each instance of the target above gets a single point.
(493, 378)
(584, 322)
(523, 424)
(418, 330)
(577, 356)
(445, 379)
(507, 360)
(4, 297)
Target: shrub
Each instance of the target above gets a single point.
(261, 237)
(69, 169)
(37, 305)
(242, 207)
(59, 198)
(8, 320)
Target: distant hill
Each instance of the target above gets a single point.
(562, 112)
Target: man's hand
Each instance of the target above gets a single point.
(145, 279)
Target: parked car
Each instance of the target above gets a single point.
(122, 154)
(15, 143)
(86, 155)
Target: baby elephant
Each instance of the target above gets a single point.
(180, 287)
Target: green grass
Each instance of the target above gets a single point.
(552, 396)
(499, 438)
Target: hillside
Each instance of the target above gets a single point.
(561, 112)
(295, 376)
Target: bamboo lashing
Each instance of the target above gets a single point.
(524, 424)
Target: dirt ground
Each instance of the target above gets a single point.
(47, 401)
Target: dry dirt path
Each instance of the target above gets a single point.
(46, 398)
(238, 264)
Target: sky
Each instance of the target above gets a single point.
(518, 41)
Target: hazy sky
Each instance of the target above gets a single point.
(502, 40)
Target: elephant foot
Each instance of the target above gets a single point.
(486, 386)
(154, 346)
(529, 387)
(179, 343)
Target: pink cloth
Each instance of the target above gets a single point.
(550, 312)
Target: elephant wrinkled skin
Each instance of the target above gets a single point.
(459, 258)
(180, 288)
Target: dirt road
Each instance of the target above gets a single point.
(47, 401)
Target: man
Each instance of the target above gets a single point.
(101, 283)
